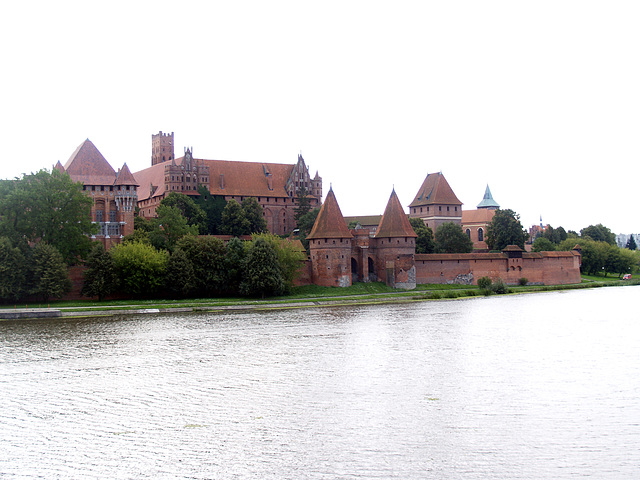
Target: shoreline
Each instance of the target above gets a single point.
(220, 306)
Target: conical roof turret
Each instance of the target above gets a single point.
(394, 221)
(125, 177)
(330, 222)
(488, 201)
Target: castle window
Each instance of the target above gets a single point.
(447, 209)
(468, 232)
(480, 235)
(439, 209)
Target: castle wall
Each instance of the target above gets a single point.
(546, 268)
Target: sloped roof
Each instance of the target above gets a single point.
(394, 221)
(330, 222)
(87, 165)
(248, 179)
(487, 200)
(483, 216)
(58, 166)
(435, 190)
(125, 177)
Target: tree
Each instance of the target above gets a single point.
(543, 244)
(263, 275)
(100, 278)
(212, 205)
(140, 268)
(12, 271)
(180, 276)
(599, 233)
(290, 256)
(169, 227)
(450, 238)
(424, 242)
(304, 204)
(234, 264)
(194, 214)
(505, 229)
(305, 224)
(48, 207)
(234, 221)
(555, 235)
(207, 255)
(48, 272)
(631, 243)
(255, 216)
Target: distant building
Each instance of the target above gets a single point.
(475, 222)
(435, 203)
(114, 193)
(623, 238)
(275, 186)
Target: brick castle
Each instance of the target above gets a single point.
(380, 248)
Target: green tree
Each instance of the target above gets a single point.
(290, 256)
(594, 256)
(450, 238)
(12, 271)
(234, 264)
(263, 275)
(48, 272)
(169, 227)
(212, 205)
(47, 207)
(543, 244)
(190, 210)
(180, 277)
(599, 233)
(140, 268)
(305, 224)
(304, 204)
(631, 243)
(207, 254)
(424, 242)
(555, 235)
(255, 216)
(505, 229)
(234, 221)
(100, 278)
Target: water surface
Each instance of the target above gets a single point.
(520, 387)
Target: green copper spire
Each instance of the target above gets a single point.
(488, 201)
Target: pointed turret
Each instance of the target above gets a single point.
(58, 166)
(125, 177)
(330, 246)
(394, 221)
(487, 201)
(330, 222)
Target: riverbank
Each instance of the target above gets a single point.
(301, 297)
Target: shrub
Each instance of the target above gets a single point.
(499, 287)
(523, 281)
(484, 283)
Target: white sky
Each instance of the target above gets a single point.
(540, 100)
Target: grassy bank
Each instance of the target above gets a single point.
(376, 292)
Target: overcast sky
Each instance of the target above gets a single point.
(539, 100)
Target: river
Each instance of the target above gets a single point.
(543, 386)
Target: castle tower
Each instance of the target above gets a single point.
(330, 246)
(126, 199)
(396, 247)
(435, 203)
(162, 148)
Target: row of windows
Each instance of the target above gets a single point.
(415, 209)
(102, 188)
(480, 234)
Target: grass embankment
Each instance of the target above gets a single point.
(375, 292)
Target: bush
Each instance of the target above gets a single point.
(523, 281)
(499, 287)
(484, 283)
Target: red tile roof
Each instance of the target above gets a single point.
(435, 190)
(87, 165)
(394, 221)
(125, 177)
(330, 222)
(482, 216)
(247, 179)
